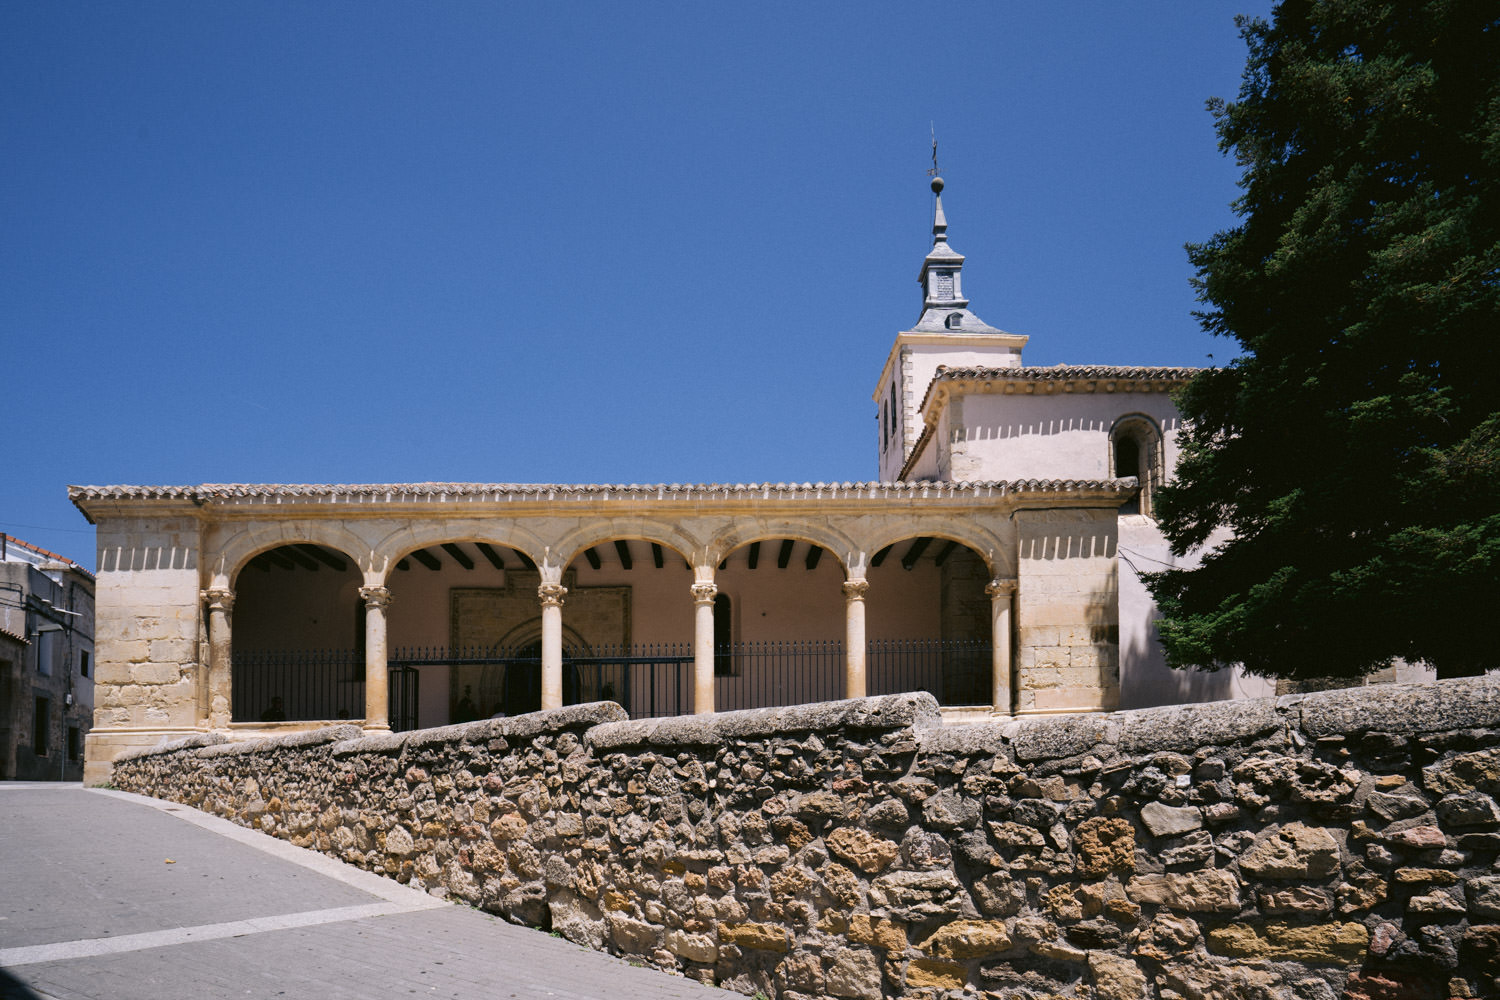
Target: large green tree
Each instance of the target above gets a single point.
(1352, 449)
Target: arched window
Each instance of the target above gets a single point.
(1135, 447)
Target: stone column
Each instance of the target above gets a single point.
(1001, 594)
(551, 595)
(377, 697)
(854, 637)
(703, 647)
(220, 601)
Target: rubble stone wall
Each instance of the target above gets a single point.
(1311, 847)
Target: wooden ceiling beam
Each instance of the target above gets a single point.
(427, 559)
(488, 551)
(656, 555)
(525, 559)
(404, 565)
(296, 555)
(785, 555)
(880, 556)
(325, 557)
(814, 553)
(754, 554)
(945, 551)
(915, 552)
(592, 557)
(459, 555)
(623, 548)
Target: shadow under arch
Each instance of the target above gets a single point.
(240, 549)
(399, 544)
(834, 542)
(982, 543)
(664, 533)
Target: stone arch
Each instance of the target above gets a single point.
(756, 529)
(999, 558)
(232, 555)
(397, 544)
(641, 529)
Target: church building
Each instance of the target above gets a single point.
(994, 561)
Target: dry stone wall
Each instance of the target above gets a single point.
(1312, 847)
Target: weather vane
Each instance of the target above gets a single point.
(934, 171)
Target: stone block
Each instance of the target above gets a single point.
(756, 936)
(1212, 891)
(1294, 851)
(965, 939)
(853, 973)
(1170, 821)
(1116, 978)
(863, 850)
(1321, 944)
(932, 973)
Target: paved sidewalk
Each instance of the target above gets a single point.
(91, 908)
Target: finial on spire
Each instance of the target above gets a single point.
(934, 171)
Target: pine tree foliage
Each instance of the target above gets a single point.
(1353, 448)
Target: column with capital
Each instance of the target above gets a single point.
(219, 601)
(377, 696)
(551, 595)
(1001, 592)
(854, 637)
(703, 646)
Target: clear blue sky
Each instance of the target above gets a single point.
(605, 242)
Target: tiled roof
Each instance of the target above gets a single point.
(1061, 372)
(13, 541)
(1091, 375)
(511, 492)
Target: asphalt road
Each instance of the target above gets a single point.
(114, 896)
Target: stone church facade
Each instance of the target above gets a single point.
(984, 564)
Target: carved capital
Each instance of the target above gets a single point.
(855, 590)
(376, 597)
(1000, 588)
(704, 593)
(218, 598)
(551, 594)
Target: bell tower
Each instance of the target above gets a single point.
(947, 333)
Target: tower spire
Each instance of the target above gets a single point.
(943, 304)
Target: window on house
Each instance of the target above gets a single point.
(41, 731)
(83, 663)
(74, 743)
(44, 639)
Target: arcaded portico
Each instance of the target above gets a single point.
(173, 562)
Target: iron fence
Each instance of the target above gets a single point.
(649, 679)
(324, 685)
(954, 671)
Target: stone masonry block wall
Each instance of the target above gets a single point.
(1337, 844)
(1068, 619)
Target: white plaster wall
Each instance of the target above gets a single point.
(1058, 435)
(1145, 679)
(913, 364)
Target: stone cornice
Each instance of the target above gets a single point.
(463, 497)
(1047, 381)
